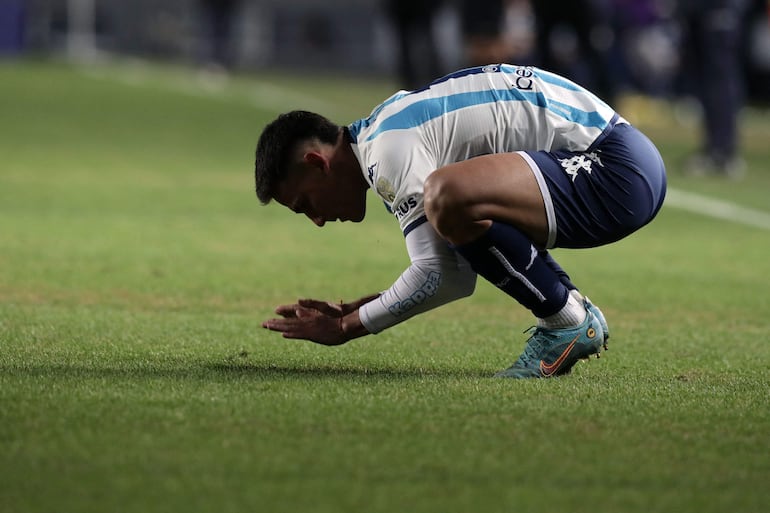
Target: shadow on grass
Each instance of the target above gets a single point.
(204, 371)
(273, 371)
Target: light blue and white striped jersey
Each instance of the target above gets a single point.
(475, 111)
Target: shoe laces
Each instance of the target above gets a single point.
(534, 345)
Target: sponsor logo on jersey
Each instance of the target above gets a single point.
(524, 81)
(523, 76)
(403, 208)
(425, 291)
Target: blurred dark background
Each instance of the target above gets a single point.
(611, 46)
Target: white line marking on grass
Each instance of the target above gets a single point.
(261, 94)
(719, 209)
(271, 97)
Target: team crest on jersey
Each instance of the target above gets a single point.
(584, 161)
(385, 189)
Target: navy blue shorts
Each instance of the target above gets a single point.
(601, 195)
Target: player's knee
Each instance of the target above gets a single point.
(447, 207)
(442, 203)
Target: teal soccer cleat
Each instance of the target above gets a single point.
(553, 352)
(600, 317)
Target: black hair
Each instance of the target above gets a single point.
(278, 141)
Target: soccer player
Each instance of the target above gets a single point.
(485, 170)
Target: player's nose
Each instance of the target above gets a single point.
(317, 220)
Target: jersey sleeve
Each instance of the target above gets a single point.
(402, 165)
(436, 276)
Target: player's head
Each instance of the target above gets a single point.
(305, 164)
(279, 142)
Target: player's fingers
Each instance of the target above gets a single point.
(273, 325)
(287, 330)
(287, 310)
(322, 306)
(314, 304)
(303, 312)
(287, 324)
(300, 329)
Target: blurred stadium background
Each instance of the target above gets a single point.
(136, 266)
(360, 36)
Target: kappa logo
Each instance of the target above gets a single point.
(370, 172)
(426, 290)
(584, 161)
(532, 256)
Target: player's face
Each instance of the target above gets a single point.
(321, 196)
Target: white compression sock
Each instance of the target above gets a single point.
(572, 314)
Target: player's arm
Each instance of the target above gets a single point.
(437, 275)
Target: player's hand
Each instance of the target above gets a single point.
(322, 324)
(324, 307)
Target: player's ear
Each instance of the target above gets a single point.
(316, 160)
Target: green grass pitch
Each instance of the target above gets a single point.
(136, 266)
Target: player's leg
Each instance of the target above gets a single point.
(492, 210)
(604, 195)
(463, 198)
(573, 290)
(496, 208)
(553, 264)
